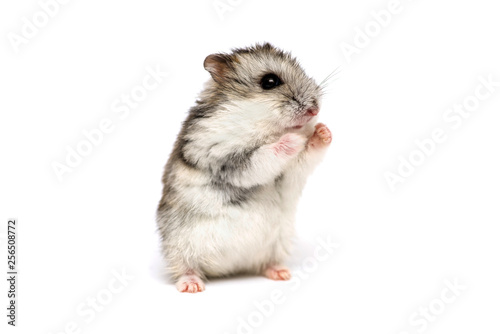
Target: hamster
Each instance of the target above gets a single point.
(238, 167)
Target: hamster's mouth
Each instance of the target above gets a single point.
(301, 123)
(304, 119)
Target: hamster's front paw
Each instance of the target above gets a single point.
(290, 145)
(322, 136)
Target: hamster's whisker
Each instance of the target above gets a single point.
(333, 74)
(326, 84)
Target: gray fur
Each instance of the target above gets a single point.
(228, 204)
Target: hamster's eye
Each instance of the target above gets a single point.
(269, 81)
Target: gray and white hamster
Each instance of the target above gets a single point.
(240, 162)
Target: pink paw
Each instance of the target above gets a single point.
(190, 283)
(289, 144)
(277, 273)
(321, 137)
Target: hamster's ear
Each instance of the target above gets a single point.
(217, 65)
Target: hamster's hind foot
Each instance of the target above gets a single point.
(191, 283)
(277, 273)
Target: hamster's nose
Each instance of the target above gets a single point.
(313, 111)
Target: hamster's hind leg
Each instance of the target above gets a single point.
(277, 272)
(190, 282)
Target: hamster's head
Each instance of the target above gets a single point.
(263, 86)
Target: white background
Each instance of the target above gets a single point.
(397, 248)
